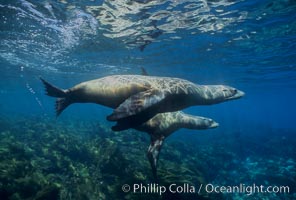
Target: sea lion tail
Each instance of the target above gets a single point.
(62, 102)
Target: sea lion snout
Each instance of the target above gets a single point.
(209, 123)
(214, 124)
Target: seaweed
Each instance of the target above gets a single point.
(43, 159)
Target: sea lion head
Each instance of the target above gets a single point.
(196, 122)
(230, 93)
(221, 93)
(206, 123)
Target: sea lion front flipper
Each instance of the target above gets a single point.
(136, 104)
(153, 153)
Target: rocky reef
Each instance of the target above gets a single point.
(45, 159)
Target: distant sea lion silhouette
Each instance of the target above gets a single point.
(137, 98)
(164, 124)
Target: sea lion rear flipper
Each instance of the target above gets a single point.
(153, 153)
(61, 104)
(137, 104)
(63, 100)
(52, 90)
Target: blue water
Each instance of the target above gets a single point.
(250, 45)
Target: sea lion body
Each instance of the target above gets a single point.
(111, 91)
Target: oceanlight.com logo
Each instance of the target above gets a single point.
(246, 189)
(186, 188)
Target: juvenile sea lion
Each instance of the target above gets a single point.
(137, 98)
(164, 124)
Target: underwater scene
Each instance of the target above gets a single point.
(147, 99)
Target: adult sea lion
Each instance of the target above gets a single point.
(137, 98)
(164, 124)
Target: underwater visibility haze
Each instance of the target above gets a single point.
(248, 45)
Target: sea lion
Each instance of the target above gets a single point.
(164, 124)
(137, 98)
